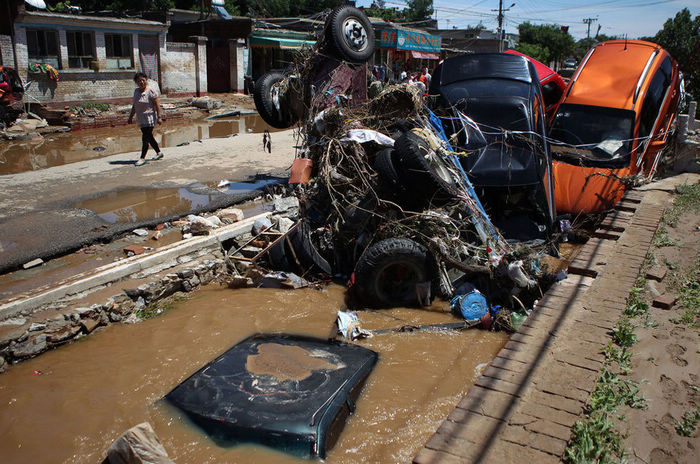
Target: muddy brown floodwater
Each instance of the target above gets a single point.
(71, 147)
(70, 404)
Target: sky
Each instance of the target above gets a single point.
(635, 18)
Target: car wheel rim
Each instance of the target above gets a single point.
(438, 167)
(355, 34)
(397, 281)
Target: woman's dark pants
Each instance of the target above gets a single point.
(147, 138)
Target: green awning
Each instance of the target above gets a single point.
(278, 42)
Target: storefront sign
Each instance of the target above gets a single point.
(409, 40)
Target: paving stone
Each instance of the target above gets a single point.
(489, 403)
(503, 374)
(500, 385)
(580, 361)
(519, 435)
(506, 452)
(509, 364)
(547, 427)
(430, 456)
(470, 426)
(546, 412)
(557, 402)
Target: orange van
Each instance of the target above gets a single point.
(612, 123)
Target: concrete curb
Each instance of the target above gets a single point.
(113, 272)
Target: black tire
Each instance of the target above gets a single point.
(306, 252)
(387, 273)
(280, 258)
(263, 97)
(384, 166)
(350, 34)
(420, 168)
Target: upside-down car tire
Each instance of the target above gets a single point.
(384, 166)
(350, 34)
(388, 272)
(421, 169)
(264, 95)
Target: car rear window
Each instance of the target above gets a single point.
(600, 136)
(479, 66)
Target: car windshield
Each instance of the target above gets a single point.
(593, 135)
(492, 103)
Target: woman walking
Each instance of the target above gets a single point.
(146, 107)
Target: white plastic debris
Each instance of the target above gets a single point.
(518, 276)
(33, 263)
(368, 135)
(349, 326)
(140, 232)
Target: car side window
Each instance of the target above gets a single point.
(652, 101)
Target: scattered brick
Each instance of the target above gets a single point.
(665, 301)
(656, 273)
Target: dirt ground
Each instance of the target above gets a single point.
(665, 359)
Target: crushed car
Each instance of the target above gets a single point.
(395, 204)
(613, 123)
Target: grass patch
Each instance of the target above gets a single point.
(612, 391)
(637, 304)
(623, 333)
(90, 106)
(157, 308)
(595, 440)
(661, 238)
(686, 426)
(687, 286)
(687, 200)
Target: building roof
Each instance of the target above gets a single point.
(82, 21)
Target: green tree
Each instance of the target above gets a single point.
(387, 14)
(553, 43)
(418, 10)
(583, 45)
(680, 36)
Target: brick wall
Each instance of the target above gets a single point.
(7, 57)
(178, 68)
(75, 85)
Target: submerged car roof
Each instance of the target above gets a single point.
(288, 392)
(610, 73)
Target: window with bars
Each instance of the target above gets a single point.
(42, 47)
(119, 51)
(81, 49)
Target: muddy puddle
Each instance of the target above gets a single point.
(142, 204)
(71, 147)
(68, 405)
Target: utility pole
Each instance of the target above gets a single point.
(501, 10)
(588, 21)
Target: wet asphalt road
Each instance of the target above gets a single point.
(38, 213)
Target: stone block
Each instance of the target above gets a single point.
(29, 348)
(665, 301)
